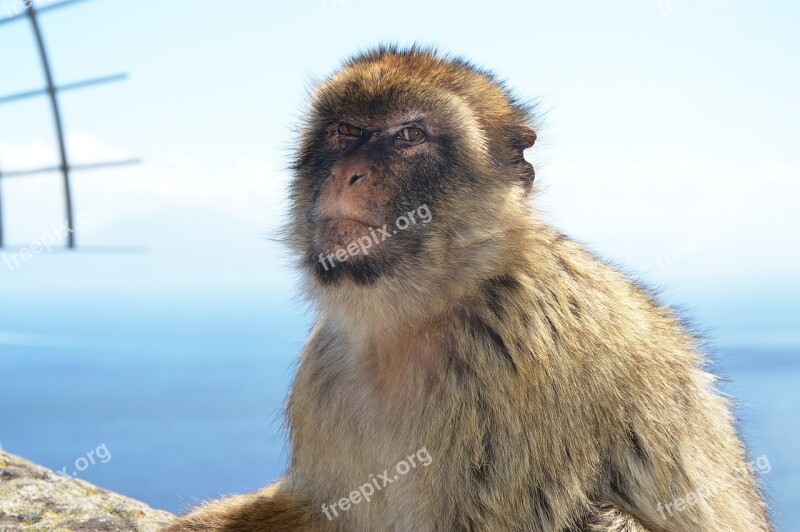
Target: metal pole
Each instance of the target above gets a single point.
(67, 87)
(74, 167)
(51, 90)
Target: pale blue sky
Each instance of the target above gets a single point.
(669, 142)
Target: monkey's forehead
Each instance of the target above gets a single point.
(388, 107)
(389, 83)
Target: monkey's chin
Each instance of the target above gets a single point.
(346, 249)
(362, 270)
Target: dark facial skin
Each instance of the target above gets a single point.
(365, 175)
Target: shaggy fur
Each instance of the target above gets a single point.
(551, 392)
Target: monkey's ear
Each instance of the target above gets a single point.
(523, 137)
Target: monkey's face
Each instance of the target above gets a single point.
(373, 187)
(386, 152)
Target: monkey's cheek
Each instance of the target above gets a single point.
(347, 239)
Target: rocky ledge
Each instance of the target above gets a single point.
(35, 498)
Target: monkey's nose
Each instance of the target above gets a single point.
(355, 179)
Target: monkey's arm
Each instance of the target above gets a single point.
(275, 508)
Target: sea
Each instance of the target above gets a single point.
(176, 396)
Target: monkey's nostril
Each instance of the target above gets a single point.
(355, 179)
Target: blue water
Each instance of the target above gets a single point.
(185, 391)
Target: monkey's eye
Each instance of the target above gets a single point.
(411, 134)
(350, 131)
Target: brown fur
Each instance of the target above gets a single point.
(551, 392)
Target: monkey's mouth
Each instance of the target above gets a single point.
(346, 239)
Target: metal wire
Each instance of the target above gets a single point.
(51, 90)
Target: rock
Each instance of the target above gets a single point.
(35, 498)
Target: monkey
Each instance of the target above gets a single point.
(551, 391)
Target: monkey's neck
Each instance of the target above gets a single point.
(405, 305)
